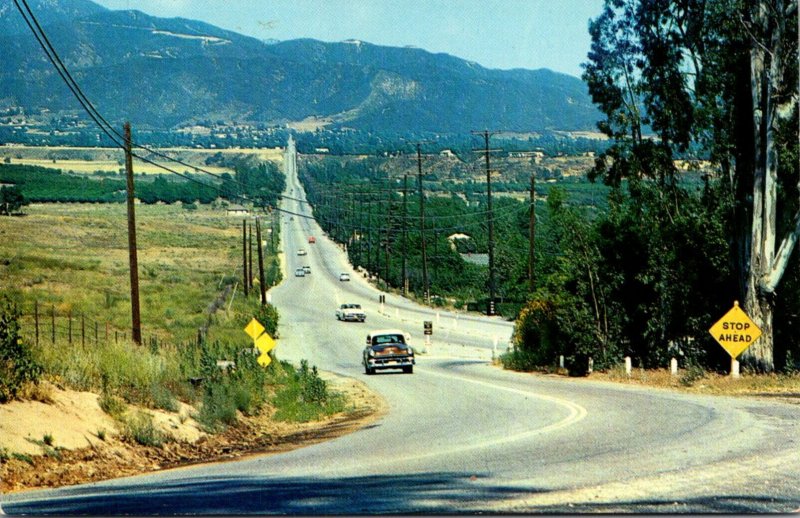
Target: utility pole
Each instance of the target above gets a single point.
(136, 327)
(352, 228)
(262, 288)
(379, 228)
(369, 239)
(389, 213)
(244, 256)
(361, 230)
(405, 234)
(532, 233)
(490, 220)
(250, 256)
(426, 288)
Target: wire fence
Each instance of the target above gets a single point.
(45, 324)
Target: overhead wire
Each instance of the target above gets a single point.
(112, 133)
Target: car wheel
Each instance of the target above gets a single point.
(369, 371)
(409, 369)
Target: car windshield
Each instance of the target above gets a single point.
(387, 339)
(352, 306)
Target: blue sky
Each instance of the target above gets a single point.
(495, 33)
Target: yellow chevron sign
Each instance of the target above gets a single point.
(264, 341)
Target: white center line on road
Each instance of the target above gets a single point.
(576, 414)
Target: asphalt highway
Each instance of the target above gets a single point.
(463, 436)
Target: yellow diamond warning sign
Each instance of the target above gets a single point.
(254, 329)
(735, 332)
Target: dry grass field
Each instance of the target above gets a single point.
(109, 160)
(74, 257)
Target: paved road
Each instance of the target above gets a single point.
(463, 436)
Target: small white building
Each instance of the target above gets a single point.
(237, 210)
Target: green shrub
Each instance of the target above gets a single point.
(140, 429)
(692, 374)
(112, 405)
(303, 395)
(219, 408)
(17, 363)
(23, 457)
(268, 316)
(162, 398)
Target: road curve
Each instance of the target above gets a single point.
(464, 436)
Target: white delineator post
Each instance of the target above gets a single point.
(734, 368)
(561, 361)
(628, 365)
(673, 366)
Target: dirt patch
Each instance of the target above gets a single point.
(113, 457)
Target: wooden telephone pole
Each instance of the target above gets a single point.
(136, 325)
(244, 257)
(426, 288)
(490, 310)
(532, 233)
(262, 288)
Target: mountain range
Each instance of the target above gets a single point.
(169, 73)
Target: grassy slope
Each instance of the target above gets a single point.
(75, 256)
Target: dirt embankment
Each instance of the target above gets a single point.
(85, 445)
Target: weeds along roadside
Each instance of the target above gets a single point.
(187, 261)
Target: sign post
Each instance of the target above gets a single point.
(735, 332)
(427, 327)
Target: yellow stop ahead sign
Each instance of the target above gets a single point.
(735, 331)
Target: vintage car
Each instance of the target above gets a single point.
(307, 269)
(299, 272)
(344, 277)
(301, 251)
(388, 349)
(350, 313)
(312, 240)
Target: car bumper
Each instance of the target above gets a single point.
(389, 363)
(354, 318)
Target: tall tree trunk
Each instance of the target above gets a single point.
(766, 267)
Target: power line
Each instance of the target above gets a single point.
(85, 102)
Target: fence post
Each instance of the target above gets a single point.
(36, 319)
(116, 336)
(69, 318)
(106, 331)
(95, 332)
(83, 331)
(53, 321)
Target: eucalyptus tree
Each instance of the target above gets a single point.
(718, 79)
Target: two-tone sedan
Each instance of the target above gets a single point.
(388, 349)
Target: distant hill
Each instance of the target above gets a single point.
(167, 73)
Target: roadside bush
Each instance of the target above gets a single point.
(140, 429)
(303, 395)
(535, 340)
(225, 393)
(692, 374)
(17, 363)
(268, 316)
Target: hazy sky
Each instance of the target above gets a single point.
(495, 33)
